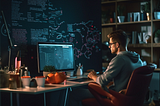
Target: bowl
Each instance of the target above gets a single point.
(157, 15)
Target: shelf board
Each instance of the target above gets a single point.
(107, 2)
(125, 23)
(140, 45)
(108, 24)
(144, 45)
(155, 20)
(123, 0)
(156, 44)
(157, 70)
(135, 22)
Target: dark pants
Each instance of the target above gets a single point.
(77, 95)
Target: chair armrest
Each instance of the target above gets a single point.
(111, 83)
(123, 91)
(111, 97)
(96, 87)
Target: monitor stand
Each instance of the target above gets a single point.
(70, 73)
(70, 77)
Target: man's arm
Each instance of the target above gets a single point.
(93, 75)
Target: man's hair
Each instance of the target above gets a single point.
(119, 36)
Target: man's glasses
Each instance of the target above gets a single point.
(112, 43)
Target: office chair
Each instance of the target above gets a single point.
(133, 95)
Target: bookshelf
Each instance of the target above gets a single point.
(149, 51)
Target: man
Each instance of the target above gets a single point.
(118, 70)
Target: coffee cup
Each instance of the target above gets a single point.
(40, 81)
(26, 81)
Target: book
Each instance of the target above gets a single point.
(146, 33)
(129, 17)
(136, 16)
(134, 37)
(140, 37)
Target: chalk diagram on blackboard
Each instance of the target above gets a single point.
(3, 29)
(88, 35)
(83, 34)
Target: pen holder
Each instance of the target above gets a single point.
(12, 83)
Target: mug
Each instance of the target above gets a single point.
(40, 81)
(26, 81)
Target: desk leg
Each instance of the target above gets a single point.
(18, 99)
(66, 97)
(70, 89)
(44, 99)
(11, 98)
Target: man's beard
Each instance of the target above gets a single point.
(114, 51)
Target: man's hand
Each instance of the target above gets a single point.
(92, 75)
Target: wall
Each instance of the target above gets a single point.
(75, 21)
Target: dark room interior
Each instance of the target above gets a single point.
(58, 43)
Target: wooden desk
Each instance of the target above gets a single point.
(47, 88)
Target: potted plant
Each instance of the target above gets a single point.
(120, 10)
(111, 16)
(48, 69)
(106, 17)
(143, 13)
(147, 9)
(157, 11)
(157, 36)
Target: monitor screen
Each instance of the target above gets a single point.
(59, 55)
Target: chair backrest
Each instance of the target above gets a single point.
(139, 82)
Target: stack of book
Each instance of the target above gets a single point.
(133, 16)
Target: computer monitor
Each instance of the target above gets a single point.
(59, 55)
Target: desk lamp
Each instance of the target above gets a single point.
(9, 41)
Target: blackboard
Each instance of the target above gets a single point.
(32, 21)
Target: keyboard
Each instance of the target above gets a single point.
(81, 79)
